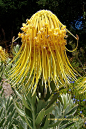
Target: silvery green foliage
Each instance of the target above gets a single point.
(36, 112)
(8, 66)
(8, 114)
(79, 123)
(66, 100)
(1, 82)
(64, 112)
(46, 113)
(16, 48)
(2, 68)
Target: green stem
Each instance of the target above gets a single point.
(33, 111)
(33, 114)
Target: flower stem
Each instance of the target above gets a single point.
(33, 114)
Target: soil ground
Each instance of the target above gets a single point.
(7, 88)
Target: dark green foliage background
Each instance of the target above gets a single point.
(14, 12)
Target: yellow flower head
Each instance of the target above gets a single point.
(2, 54)
(43, 53)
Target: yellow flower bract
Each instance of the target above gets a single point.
(42, 53)
(2, 54)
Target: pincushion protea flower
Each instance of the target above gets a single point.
(43, 53)
(3, 55)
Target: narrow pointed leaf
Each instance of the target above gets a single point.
(66, 110)
(2, 121)
(21, 112)
(28, 113)
(54, 98)
(48, 111)
(72, 110)
(25, 103)
(10, 108)
(9, 118)
(64, 122)
(55, 124)
(23, 118)
(20, 127)
(8, 103)
(40, 105)
(46, 122)
(28, 123)
(40, 116)
(1, 111)
(14, 127)
(34, 99)
(13, 112)
(66, 125)
(19, 95)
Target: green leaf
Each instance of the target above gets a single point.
(66, 125)
(22, 124)
(21, 112)
(8, 103)
(1, 111)
(2, 92)
(10, 126)
(19, 95)
(52, 117)
(2, 122)
(46, 122)
(0, 81)
(28, 123)
(40, 105)
(28, 113)
(40, 116)
(25, 103)
(23, 118)
(63, 122)
(41, 88)
(64, 100)
(72, 110)
(70, 124)
(9, 118)
(20, 127)
(52, 85)
(13, 112)
(0, 88)
(14, 126)
(48, 111)
(54, 98)
(66, 110)
(47, 95)
(34, 99)
(10, 108)
(55, 124)
(69, 116)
